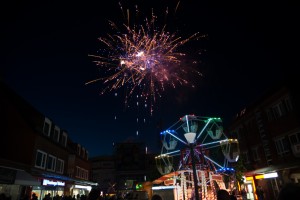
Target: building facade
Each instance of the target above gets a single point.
(269, 138)
(104, 173)
(130, 168)
(36, 155)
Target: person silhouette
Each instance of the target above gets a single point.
(33, 196)
(223, 195)
(260, 193)
(290, 191)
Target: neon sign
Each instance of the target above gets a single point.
(53, 183)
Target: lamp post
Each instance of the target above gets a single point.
(190, 137)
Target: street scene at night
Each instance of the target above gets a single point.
(149, 100)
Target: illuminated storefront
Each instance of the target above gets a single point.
(249, 186)
(52, 187)
(81, 190)
(250, 183)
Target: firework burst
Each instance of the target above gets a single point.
(143, 59)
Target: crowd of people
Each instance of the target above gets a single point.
(4, 197)
(290, 191)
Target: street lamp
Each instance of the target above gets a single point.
(190, 138)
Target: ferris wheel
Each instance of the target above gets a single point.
(212, 149)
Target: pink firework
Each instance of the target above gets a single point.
(143, 59)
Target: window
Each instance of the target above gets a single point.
(282, 145)
(83, 153)
(51, 163)
(294, 138)
(64, 139)
(255, 153)
(40, 160)
(60, 166)
(47, 127)
(56, 133)
(279, 109)
(287, 103)
(82, 173)
(78, 149)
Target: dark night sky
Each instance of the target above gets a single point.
(45, 47)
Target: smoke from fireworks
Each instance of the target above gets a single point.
(143, 59)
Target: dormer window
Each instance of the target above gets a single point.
(78, 149)
(83, 152)
(64, 139)
(56, 133)
(47, 127)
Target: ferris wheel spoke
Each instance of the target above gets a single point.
(170, 153)
(218, 142)
(201, 132)
(169, 132)
(213, 161)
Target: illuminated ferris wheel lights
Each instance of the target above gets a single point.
(226, 170)
(217, 119)
(188, 117)
(160, 156)
(167, 131)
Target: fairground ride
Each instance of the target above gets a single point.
(196, 144)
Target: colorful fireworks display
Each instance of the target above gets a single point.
(144, 60)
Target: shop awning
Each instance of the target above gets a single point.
(24, 178)
(82, 182)
(273, 168)
(48, 175)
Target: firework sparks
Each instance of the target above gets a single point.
(143, 59)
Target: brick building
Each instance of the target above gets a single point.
(269, 137)
(36, 155)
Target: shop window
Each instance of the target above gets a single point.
(40, 160)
